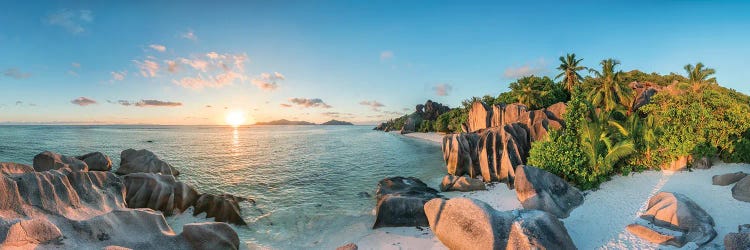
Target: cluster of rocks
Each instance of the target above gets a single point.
(674, 219)
(499, 139)
(75, 202)
(741, 181)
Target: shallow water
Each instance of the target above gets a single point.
(306, 180)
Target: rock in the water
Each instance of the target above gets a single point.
(675, 212)
(210, 235)
(727, 179)
(461, 184)
(223, 207)
(539, 189)
(52, 161)
(739, 240)
(11, 168)
(400, 202)
(158, 192)
(30, 232)
(143, 161)
(463, 223)
(741, 190)
(349, 246)
(96, 161)
(460, 155)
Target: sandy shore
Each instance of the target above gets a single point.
(431, 136)
(600, 222)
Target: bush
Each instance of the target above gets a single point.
(451, 121)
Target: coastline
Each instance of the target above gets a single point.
(601, 220)
(432, 137)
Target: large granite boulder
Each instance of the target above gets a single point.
(643, 93)
(52, 161)
(37, 231)
(542, 190)
(741, 190)
(701, 163)
(480, 117)
(400, 202)
(11, 168)
(556, 111)
(143, 161)
(460, 155)
(158, 192)
(223, 207)
(431, 110)
(464, 223)
(672, 212)
(500, 150)
(461, 184)
(727, 179)
(739, 240)
(96, 161)
(210, 235)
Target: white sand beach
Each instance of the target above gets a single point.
(600, 222)
(431, 136)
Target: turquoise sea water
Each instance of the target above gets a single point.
(307, 180)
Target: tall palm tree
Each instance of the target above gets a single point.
(609, 92)
(598, 142)
(529, 90)
(700, 74)
(569, 67)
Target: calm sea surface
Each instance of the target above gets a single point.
(307, 180)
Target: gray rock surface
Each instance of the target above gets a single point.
(727, 179)
(159, 192)
(461, 184)
(541, 190)
(96, 161)
(143, 161)
(11, 168)
(459, 153)
(674, 212)
(741, 190)
(52, 161)
(739, 240)
(400, 202)
(223, 207)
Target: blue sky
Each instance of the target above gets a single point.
(318, 60)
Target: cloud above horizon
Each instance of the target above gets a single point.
(118, 76)
(158, 47)
(71, 20)
(442, 89)
(190, 35)
(15, 73)
(267, 81)
(307, 103)
(536, 68)
(374, 105)
(83, 101)
(386, 55)
(147, 68)
(210, 70)
(157, 103)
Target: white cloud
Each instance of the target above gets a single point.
(267, 81)
(172, 66)
(83, 101)
(148, 68)
(309, 103)
(158, 47)
(442, 89)
(118, 76)
(374, 105)
(386, 55)
(539, 67)
(190, 35)
(71, 20)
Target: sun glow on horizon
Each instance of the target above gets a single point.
(235, 118)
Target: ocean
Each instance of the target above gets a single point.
(309, 182)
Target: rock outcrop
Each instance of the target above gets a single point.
(461, 184)
(643, 93)
(480, 117)
(36, 231)
(96, 161)
(158, 192)
(223, 207)
(52, 161)
(702, 163)
(541, 190)
(741, 190)
(538, 122)
(8, 168)
(143, 161)
(463, 223)
(500, 149)
(739, 240)
(459, 153)
(400, 202)
(431, 110)
(674, 219)
(727, 179)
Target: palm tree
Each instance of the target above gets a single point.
(609, 92)
(529, 91)
(700, 74)
(598, 142)
(569, 67)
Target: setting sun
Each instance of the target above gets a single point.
(235, 118)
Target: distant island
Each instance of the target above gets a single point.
(288, 122)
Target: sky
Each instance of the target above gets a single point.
(138, 62)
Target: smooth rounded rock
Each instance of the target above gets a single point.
(97, 161)
(741, 190)
(727, 179)
(143, 161)
(47, 160)
(542, 190)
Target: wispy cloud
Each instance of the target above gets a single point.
(83, 101)
(118, 76)
(309, 103)
(267, 81)
(338, 114)
(374, 105)
(147, 68)
(158, 47)
(71, 20)
(536, 68)
(212, 70)
(190, 35)
(442, 89)
(121, 102)
(16, 73)
(157, 103)
(172, 66)
(386, 55)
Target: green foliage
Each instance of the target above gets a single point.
(699, 74)
(534, 92)
(426, 126)
(569, 67)
(451, 121)
(609, 91)
(741, 150)
(662, 80)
